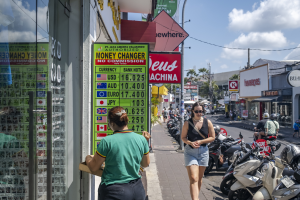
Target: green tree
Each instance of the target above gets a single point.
(204, 90)
(172, 90)
(234, 77)
(203, 73)
(191, 74)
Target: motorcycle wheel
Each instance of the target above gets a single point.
(227, 183)
(210, 166)
(241, 194)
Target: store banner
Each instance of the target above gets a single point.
(233, 85)
(234, 97)
(245, 114)
(190, 87)
(171, 7)
(165, 68)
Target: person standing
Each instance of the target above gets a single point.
(197, 132)
(271, 127)
(123, 152)
(165, 114)
(296, 128)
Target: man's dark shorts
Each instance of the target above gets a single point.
(134, 190)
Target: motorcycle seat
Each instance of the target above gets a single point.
(269, 137)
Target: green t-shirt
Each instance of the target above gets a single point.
(272, 126)
(123, 153)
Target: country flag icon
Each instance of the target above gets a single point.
(101, 119)
(101, 102)
(101, 77)
(101, 136)
(41, 102)
(101, 111)
(41, 77)
(101, 85)
(101, 127)
(101, 93)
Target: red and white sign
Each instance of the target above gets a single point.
(252, 82)
(101, 127)
(168, 33)
(233, 85)
(245, 114)
(101, 136)
(193, 87)
(165, 68)
(223, 132)
(262, 144)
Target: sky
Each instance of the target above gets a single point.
(265, 24)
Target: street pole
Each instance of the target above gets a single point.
(182, 81)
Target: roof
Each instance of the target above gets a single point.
(224, 76)
(275, 67)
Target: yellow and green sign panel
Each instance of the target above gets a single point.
(120, 78)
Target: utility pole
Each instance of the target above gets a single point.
(182, 82)
(248, 65)
(209, 81)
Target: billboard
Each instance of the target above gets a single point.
(165, 68)
(120, 78)
(171, 7)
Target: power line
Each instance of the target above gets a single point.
(29, 16)
(232, 48)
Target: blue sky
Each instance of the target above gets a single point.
(266, 24)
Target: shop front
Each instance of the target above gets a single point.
(278, 102)
(252, 82)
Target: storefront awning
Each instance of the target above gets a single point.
(267, 99)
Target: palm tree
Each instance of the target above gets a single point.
(192, 73)
(204, 90)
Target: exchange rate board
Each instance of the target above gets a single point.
(120, 78)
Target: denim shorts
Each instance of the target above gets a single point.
(197, 156)
(134, 190)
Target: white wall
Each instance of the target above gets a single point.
(254, 91)
(295, 103)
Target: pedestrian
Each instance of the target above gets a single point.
(171, 113)
(231, 115)
(271, 127)
(296, 128)
(165, 114)
(123, 152)
(260, 128)
(197, 132)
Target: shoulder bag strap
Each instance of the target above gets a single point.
(196, 128)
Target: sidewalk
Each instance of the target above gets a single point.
(172, 175)
(285, 134)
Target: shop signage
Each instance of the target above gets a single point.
(270, 93)
(165, 68)
(170, 6)
(223, 131)
(234, 97)
(168, 33)
(190, 87)
(262, 144)
(120, 78)
(252, 82)
(188, 83)
(293, 78)
(245, 113)
(233, 85)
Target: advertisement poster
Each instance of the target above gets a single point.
(245, 114)
(170, 6)
(120, 78)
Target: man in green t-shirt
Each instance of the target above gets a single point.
(271, 126)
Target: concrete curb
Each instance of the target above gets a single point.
(154, 190)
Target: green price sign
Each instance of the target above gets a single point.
(120, 78)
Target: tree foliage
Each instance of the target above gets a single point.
(204, 89)
(234, 77)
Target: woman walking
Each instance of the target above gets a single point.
(123, 153)
(197, 132)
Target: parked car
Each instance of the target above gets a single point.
(218, 111)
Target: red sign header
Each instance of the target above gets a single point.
(164, 68)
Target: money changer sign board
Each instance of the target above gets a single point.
(120, 78)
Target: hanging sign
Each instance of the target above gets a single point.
(165, 68)
(120, 78)
(168, 33)
(293, 78)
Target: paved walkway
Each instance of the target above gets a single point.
(172, 175)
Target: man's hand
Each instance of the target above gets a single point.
(146, 135)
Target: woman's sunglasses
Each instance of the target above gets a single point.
(198, 111)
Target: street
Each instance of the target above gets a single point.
(169, 163)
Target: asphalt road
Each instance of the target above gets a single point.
(216, 176)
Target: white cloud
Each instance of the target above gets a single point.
(266, 40)
(224, 66)
(270, 15)
(294, 55)
(23, 28)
